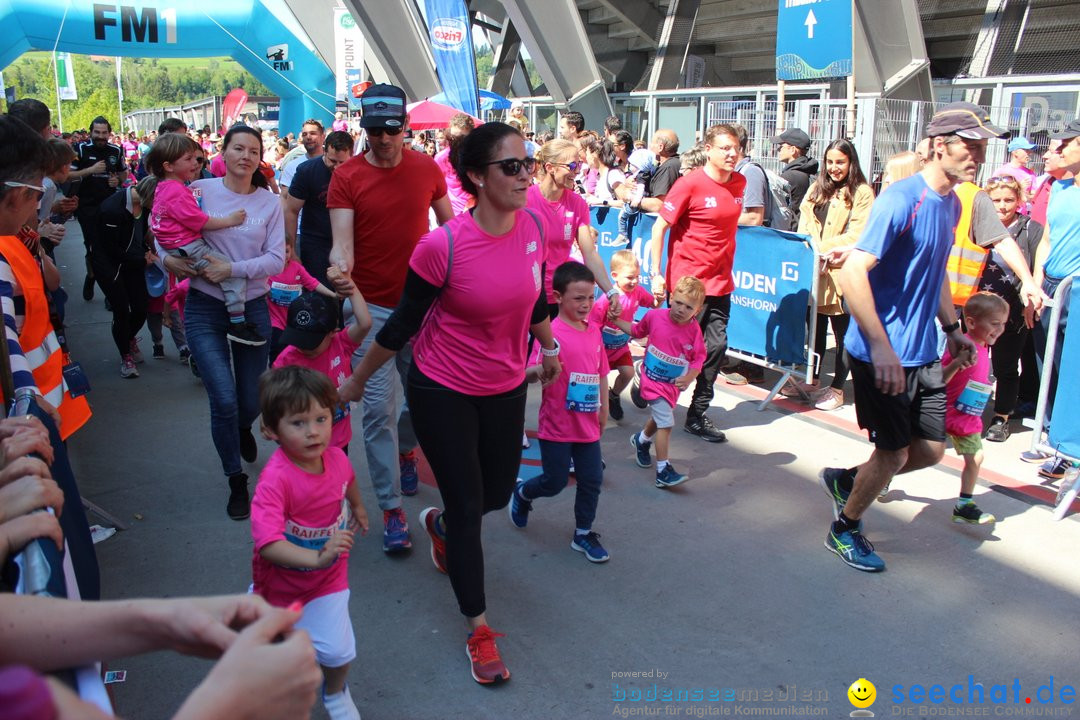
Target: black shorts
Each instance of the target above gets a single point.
(893, 420)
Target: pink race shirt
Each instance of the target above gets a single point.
(475, 336)
(304, 509)
(460, 201)
(568, 410)
(334, 364)
(176, 218)
(672, 352)
(966, 395)
(285, 287)
(562, 219)
(616, 342)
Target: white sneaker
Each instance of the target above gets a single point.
(525, 441)
(127, 367)
(340, 706)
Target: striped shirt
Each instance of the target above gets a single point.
(14, 308)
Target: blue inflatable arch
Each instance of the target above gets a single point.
(245, 30)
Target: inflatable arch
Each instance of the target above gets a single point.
(245, 30)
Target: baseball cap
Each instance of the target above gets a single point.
(156, 282)
(794, 137)
(311, 317)
(1020, 143)
(1068, 132)
(964, 119)
(383, 106)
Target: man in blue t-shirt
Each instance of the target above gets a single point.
(307, 192)
(1058, 257)
(894, 283)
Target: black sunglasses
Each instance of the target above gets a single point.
(512, 166)
(378, 132)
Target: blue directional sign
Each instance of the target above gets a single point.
(813, 39)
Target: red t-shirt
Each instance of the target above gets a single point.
(562, 219)
(704, 216)
(390, 207)
(475, 337)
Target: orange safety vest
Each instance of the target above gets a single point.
(38, 340)
(966, 259)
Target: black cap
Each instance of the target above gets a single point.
(311, 317)
(793, 137)
(1068, 132)
(383, 106)
(964, 119)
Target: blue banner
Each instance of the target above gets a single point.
(452, 49)
(774, 275)
(245, 30)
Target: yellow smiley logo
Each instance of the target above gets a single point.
(862, 693)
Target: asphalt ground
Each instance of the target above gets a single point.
(719, 598)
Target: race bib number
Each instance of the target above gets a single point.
(341, 412)
(661, 367)
(614, 338)
(583, 393)
(284, 293)
(973, 398)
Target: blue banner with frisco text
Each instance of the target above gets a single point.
(773, 273)
(452, 49)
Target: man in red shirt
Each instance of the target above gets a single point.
(378, 203)
(702, 210)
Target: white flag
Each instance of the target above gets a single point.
(65, 77)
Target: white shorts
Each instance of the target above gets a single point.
(327, 621)
(662, 413)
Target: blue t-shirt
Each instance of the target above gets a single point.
(310, 184)
(910, 231)
(1063, 217)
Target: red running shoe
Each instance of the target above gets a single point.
(430, 517)
(486, 665)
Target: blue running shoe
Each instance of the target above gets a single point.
(591, 547)
(670, 477)
(395, 531)
(518, 507)
(830, 480)
(409, 477)
(855, 550)
(644, 459)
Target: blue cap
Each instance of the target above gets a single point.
(1020, 143)
(156, 282)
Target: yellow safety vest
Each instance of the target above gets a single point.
(966, 259)
(38, 340)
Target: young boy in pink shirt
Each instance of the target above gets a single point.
(573, 411)
(625, 272)
(672, 362)
(304, 515)
(285, 287)
(967, 390)
(312, 340)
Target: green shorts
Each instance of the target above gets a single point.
(967, 444)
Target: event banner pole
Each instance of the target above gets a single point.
(120, 96)
(452, 48)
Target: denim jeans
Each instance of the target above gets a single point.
(387, 423)
(230, 371)
(555, 458)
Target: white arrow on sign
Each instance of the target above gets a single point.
(811, 21)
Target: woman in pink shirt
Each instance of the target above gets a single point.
(474, 289)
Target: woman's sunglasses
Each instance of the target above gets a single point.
(571, 166)
(512, 166)
(36, 188)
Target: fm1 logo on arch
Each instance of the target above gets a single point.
(135, 26)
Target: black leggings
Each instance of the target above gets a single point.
(125, 289)
(473, 445)
(839, 329)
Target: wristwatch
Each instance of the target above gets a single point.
(950, 327)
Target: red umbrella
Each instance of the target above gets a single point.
(428, 115)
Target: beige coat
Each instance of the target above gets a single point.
(843, 226)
